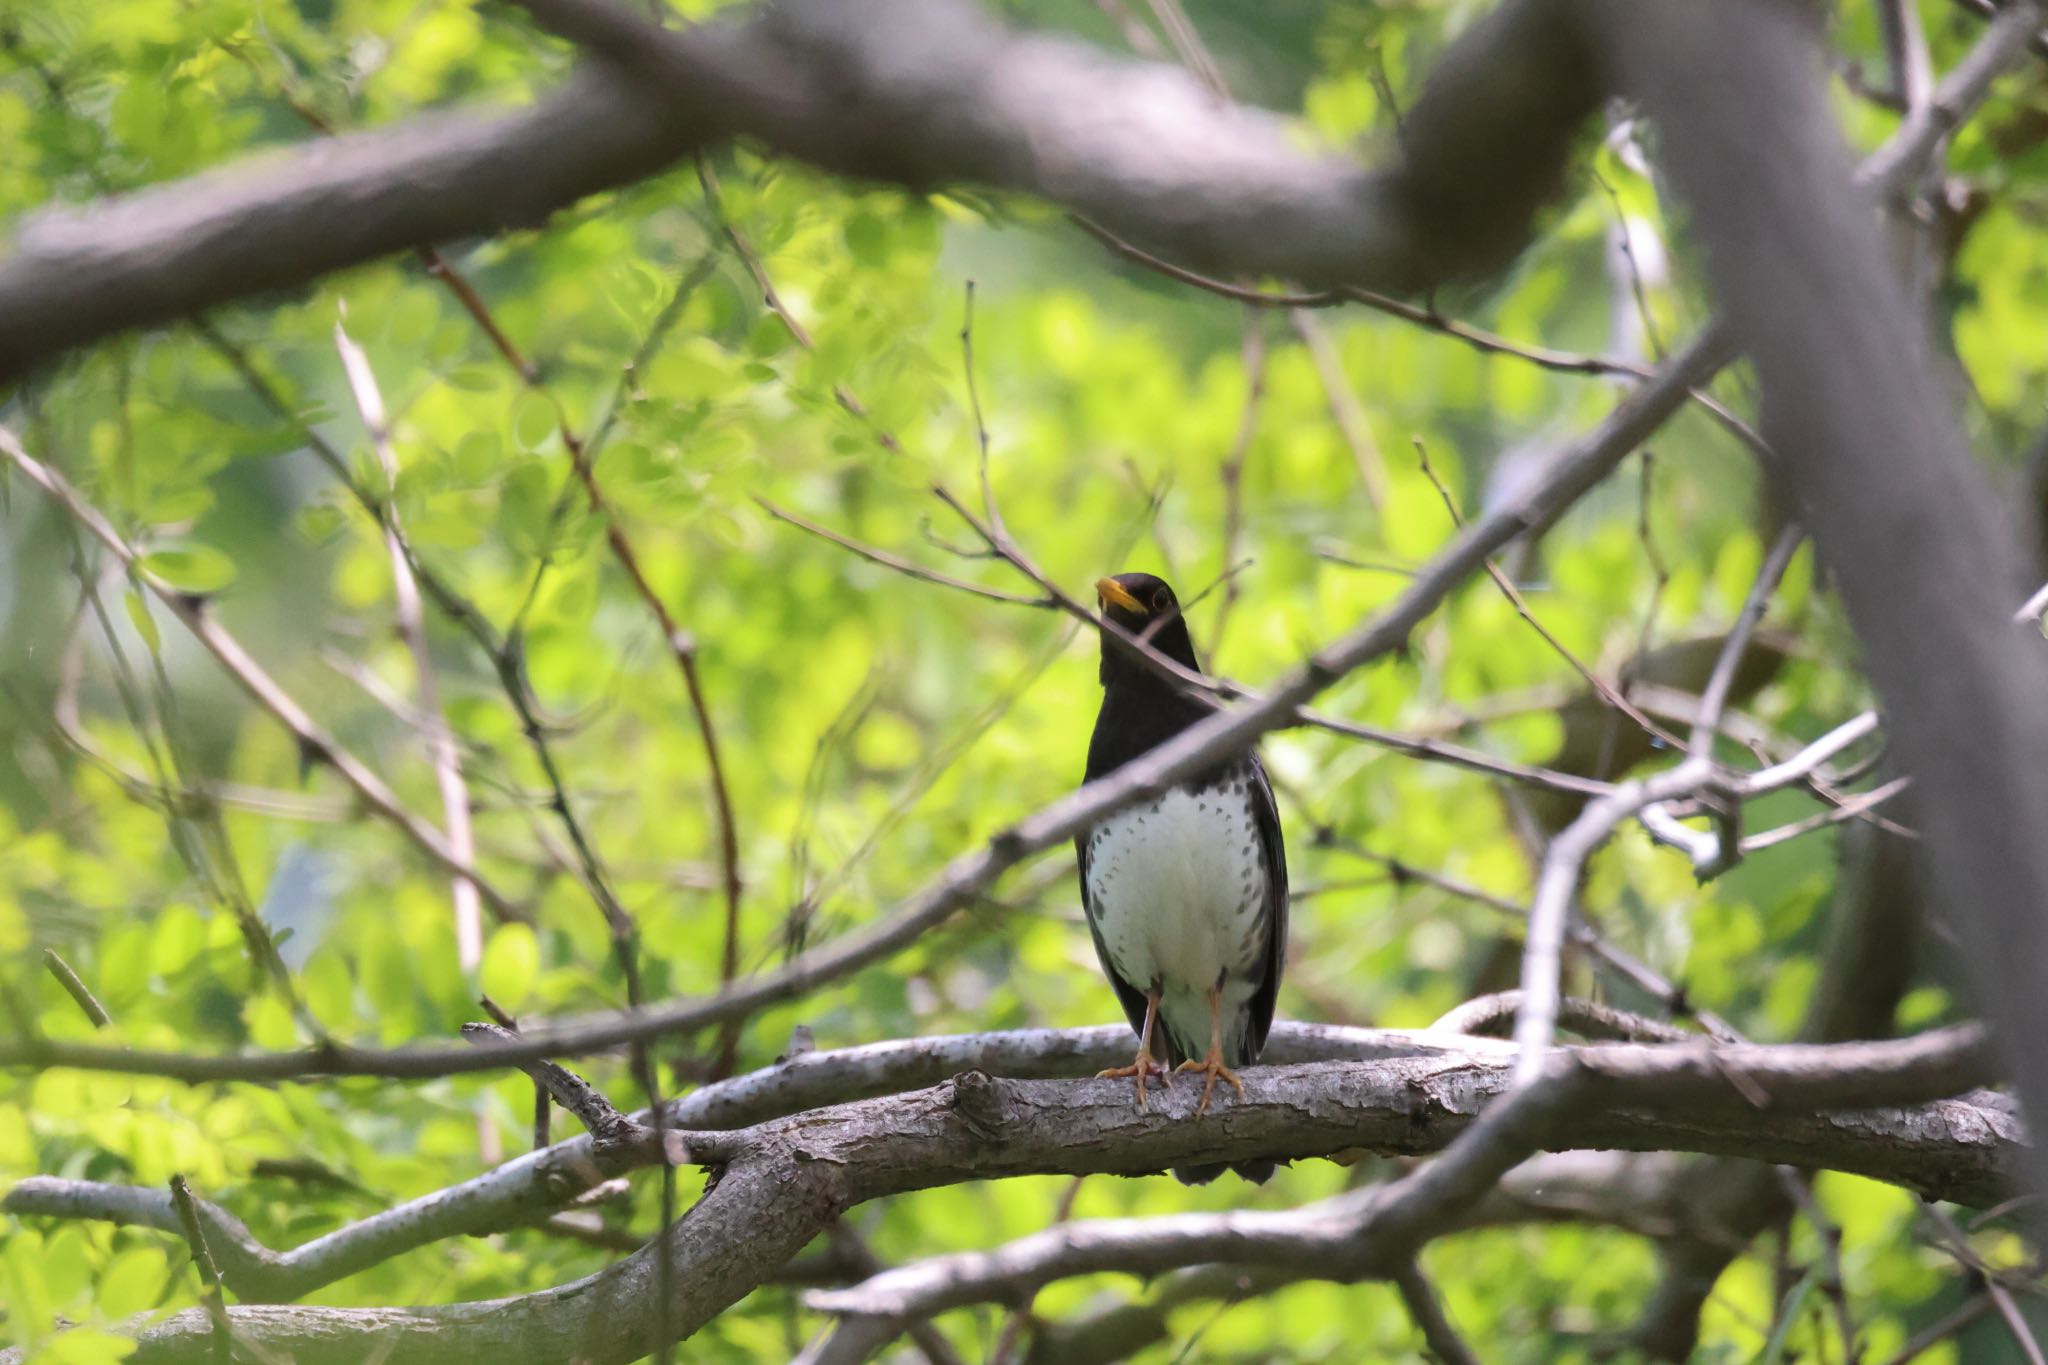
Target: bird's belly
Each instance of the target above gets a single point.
(1177, 889)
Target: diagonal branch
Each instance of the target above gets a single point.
(192, 612)
(1926, 557)
(921, 92)
(1574, 470)
(412, 629)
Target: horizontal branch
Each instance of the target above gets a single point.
(530, 1187)
(777, 1183)
(1589, 1098)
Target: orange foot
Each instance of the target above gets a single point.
(1143, 1068)
(1213, 1068)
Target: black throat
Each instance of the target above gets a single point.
(1142, 709)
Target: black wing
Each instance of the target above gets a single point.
(1266, 815)
(1132, 999)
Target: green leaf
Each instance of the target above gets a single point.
(510, 963)
(320, 522)
(85, 1346)
(269, 1021)
(525, 503)
(191, 567)
(867, 239)
(130, 1282)
(534, 419)
(477, 456)
(139, 616)
(176, 506)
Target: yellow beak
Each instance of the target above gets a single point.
(1117, 595)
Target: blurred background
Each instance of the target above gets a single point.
(742, 348)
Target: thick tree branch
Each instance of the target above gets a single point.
(1866, 966)
(923, 92)
(1372, 1232)
(779, 1182)
(530, 1187)
(1927, 560)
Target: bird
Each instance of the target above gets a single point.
(1186, 894)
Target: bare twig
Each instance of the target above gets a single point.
(191, 612)
(1252, 361)
(1492, 1014)
(1564, 863)
(1714, 697)
(209, 1274)
(897, 562)
(80, 993)
(441, 747)
(1423, 315)
(1437, 1332)
(714, 199)
(1994, 1288)
(1345, 409)
(1606, 691)
(1941, 1329)
(610, 1131)
(543, 1111)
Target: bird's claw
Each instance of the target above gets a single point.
(1143, 1068)
(1214, 1070)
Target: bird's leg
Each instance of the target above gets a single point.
(1212, 1065)
(1144, 1066)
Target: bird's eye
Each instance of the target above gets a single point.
(1162, 600)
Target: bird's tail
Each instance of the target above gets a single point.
(1258, 1172)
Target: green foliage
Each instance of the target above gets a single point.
(873, 726)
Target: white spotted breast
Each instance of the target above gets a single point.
(1177, 889)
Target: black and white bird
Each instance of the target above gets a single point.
(1186, 894)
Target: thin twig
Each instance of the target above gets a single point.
(1558, 362)
(80, 993)
(1853, 808)
(714, 200)
(1832, 1282)
(989, 507)
(1994, 1285)
(543, 1109)
(896, 562)
(1345, 409)
(1437, 1332)
(1941, 1329)
(191, 611)
(1714, 697)
(209, 1273)
(411, 624)
(1606, 691)
(1564, 864)
(1487, 1015)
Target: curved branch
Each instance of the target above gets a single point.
(777, 1183)
(529, 1188)
(1925, 555)
(1490, 1015)
(1587, 1099)
(922, 92)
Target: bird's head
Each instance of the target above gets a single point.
(1144, 606)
